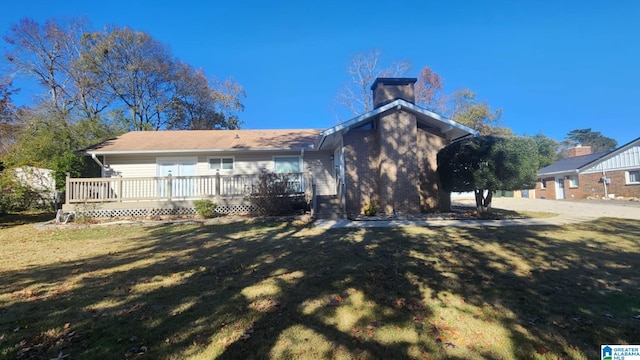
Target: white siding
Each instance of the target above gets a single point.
(319, 163)
(627, 159)
(130, 166)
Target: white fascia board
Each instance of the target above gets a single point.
(610, 154)
(563, 172)
(399, 104)
(137, 152)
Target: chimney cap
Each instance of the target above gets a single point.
(393, 81)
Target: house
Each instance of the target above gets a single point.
(584, 174)
(387, 156)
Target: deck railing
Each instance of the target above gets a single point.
(159, 188)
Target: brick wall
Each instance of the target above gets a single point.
(399, 172)
(617, 187)
(431, 197)
(361, 169)
(590, 185)
(549, 192)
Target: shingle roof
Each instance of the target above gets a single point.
(570, 164)
(206, 140)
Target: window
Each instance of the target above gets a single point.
(287, 164)
(543, 184)
(221, 164)
(633, 177)
(574, 182)
(290, 165)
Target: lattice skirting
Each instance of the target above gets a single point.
(142, 213)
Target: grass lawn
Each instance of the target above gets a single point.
(288, 290)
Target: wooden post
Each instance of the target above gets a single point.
(67, 188)
(217, 186)
(169, 186)
(119, 194)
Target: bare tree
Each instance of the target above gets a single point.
(46, 53)
(9, 126)
(363, 69)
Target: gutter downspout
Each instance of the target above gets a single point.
(103, 168)
(95, 158)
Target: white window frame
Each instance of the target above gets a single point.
(300, 163)
(221, 158)
(574, 181)
(179, 161)
(543, 184)
(628, 177)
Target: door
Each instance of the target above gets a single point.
(560, 188)
(182, 171)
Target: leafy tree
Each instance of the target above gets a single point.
(49, 136)
(155, 88)
(136, 69)
(429, 89)
(120, 72)
(484, 164)
(587, 137)
(547, 149)
(467, 110)
(197, 105)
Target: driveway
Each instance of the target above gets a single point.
(574, 209)
(568, 212)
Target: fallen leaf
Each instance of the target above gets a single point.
(542, 351)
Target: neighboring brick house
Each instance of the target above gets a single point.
(387, 156)
(583, 174)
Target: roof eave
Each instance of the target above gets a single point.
(188, 151)
(450, 125)
(570, 171)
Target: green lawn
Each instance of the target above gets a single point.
(288, 290)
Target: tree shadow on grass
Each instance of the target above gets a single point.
(10, 220)
(269, 290)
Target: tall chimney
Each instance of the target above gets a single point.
(579, 150)
(386, 90)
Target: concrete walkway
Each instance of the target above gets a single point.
(568, 212)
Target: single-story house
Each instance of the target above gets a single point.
(387, 155)
(583, 174)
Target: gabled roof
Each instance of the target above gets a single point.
(453, 129)
(585, 162)
(177, 141)
(611, 154)
(571, 164)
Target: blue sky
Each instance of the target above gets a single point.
(551, 66)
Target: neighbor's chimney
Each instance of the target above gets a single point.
(386, 90)
(579, 150)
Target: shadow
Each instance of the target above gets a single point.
(262, 289)
(14, 219)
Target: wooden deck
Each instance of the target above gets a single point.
(171, 192)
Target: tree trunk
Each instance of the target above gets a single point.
(483, 204)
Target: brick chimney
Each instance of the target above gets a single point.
(386, 90)
(579, 150)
